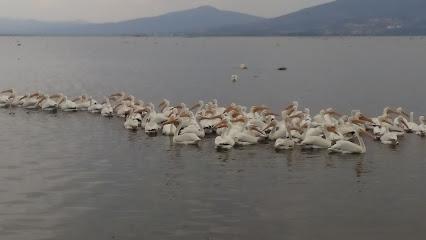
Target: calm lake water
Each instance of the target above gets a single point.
(82, 176)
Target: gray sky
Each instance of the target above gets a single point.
(116, 10)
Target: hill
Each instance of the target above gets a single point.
(341, 17)
(176, 23)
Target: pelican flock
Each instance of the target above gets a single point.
(235, 125)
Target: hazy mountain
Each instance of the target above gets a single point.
(342, 17)
(10, 26)
(193, 20)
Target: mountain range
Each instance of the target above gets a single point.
(340, 17)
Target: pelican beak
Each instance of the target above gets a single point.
(290, 106)
(235, 115)
(195, 106)
(118, 105)
(271, 114)
(184, 115)
(365, 118)
(7, 91)
(257, 130)
(237, 120)
(228, 109)
(34, 95)
(405, 124)
(386, 121)
(23, 97)
(103, 102)
(270, 125)
(11, 96)
(221, 122)
(162, 103)
(258, 109)
(41, 99)
(76, 99)
(296, 129)
(331, 129)
(178, 107)
(224, 125)
(392, 111)
(334, 113)
(357, 122)
(367, 133)
(296, 116)
(127, 99)
(61, 101)
(115, 95)
(171, 113)
(405, 114)
(170, 121)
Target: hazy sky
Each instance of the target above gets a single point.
(116, 10)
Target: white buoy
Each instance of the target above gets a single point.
(234, 78)
(243, 66)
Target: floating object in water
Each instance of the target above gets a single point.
(234, 78)
(282, 69)
(243, 66)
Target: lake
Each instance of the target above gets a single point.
(82, 176)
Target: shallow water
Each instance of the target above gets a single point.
(82, 176)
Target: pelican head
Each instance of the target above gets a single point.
(401, 112)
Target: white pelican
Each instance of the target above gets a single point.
(277, 132)
(131, 123)
(248, 137)
(387, 137)
(412, 126)
(422, 127)
(46, 103)
(187, 138)
(117, 97)
(399, 126)
(344, 146)
(284, 143)
(216, 106)
(121, 108)
(82, 102)
(4, 99)
(234, 78)
(194, 126)
(169, 129)
(199, 106)
(66, 105)
(319, 142)
(152, 127)
(94, 106)
(21, 101)
(32, 100)
(386, 112)
(15, 101)
(224, 141)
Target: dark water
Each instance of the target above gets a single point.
(82, 176)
